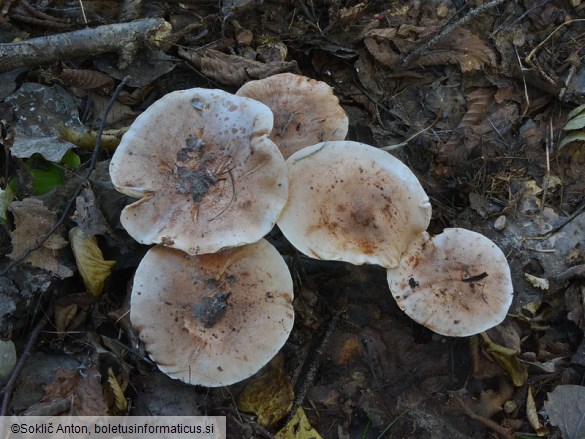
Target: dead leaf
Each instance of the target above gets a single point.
(84, 390)
(508, 359)
(298, 427)
(233, 69)
(86, 139)
(90, 261)
(32, 221)
(119, 398)
(532, 415)
(85, 79)
(566, 409)
(270, 395)
(461, 47)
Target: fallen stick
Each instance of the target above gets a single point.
(123, 38)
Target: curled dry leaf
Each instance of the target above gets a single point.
(233, 69)
(90, 261)
(461, 47)
(32, 221)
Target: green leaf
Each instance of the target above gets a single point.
(572, 137)
(46, 175)
(575, 111)
(575, 123)
(71, 160)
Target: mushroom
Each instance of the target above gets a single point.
(456, 283)
(305, 110)
(215, 319)
(207, 174)
(352, 202)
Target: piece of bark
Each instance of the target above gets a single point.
(123, 38)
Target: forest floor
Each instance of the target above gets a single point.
(480, 99)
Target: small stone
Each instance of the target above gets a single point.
(500, 223)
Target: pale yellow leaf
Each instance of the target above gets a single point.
(298, 427)
(90, 261)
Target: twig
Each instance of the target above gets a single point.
(528, 58)
(94, 157)
(20, 364)
(567, 220)
(450, 28)
(310, 368)
(123, 38)
(398, 145)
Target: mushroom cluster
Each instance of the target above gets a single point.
(213, 181)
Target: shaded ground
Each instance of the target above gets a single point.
(474, 98)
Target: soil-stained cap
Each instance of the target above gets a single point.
(213, 320)
(456, 283)
(207, 174)
(352, 202)
(305, 110)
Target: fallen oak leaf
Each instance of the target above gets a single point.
(32, 221)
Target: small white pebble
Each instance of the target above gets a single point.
(500, 222)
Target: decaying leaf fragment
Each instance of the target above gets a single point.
(233, 69)
(90, 261)
(508, 359)
(269, 395)
(86, 139)
(461, 47)
(566, 409)
(532, 415)
(298, 427)
(32, 221)
(120, 401)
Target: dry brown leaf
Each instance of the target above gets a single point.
(478, 103)
(82, 388)
(460, 47)
(85, 79)
(233, 69)
(32, 221)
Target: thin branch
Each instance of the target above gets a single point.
(450, 28)
(123, 38)
(20, 364)
(94, 157)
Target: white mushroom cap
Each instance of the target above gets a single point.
(216, 319)
(456, 283)
(352, 202)
(207, 174)
(305, 110)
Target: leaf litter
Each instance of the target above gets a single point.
(490, 100)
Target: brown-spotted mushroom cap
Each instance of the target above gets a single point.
(305, 110)
(456, 283)
(207, 174)
(352, 202)
(216, 319)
